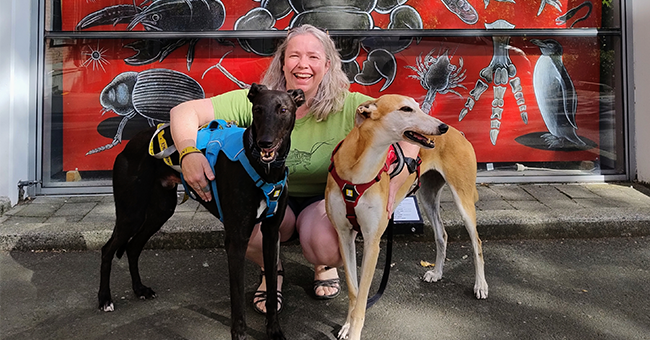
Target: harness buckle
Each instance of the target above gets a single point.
(275, 193)
(350, 192)
(412, 164)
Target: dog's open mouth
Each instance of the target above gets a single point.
(419, 138)
(268, 155)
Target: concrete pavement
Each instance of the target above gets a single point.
(504, 211)
(574, 289)
(553, 270)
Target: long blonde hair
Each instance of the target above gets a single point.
(332, 90)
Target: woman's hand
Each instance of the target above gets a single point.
(185, 119)
(197, 173)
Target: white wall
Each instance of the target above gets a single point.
(641, 45)
(17, 95)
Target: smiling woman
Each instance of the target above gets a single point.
(327, 83)
(306, 60)
(305, 64)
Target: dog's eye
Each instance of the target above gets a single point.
(406, 109)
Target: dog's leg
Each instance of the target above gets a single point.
(124, 226)
(349, 255)
(463, 189)
(429, 195)
(465, 203)
(236, 241)
(131, 194)
(161, 207)
(270, 248)
(371, 242)
(108, 252)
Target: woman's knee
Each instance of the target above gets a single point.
(288, 225)
(318, 238)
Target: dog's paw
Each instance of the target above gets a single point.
(144, 293)
(107, 307)
(481, 290)
(343, 333)
(432, 276)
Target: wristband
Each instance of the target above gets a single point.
(188, 150)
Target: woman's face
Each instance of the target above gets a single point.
(305, 64)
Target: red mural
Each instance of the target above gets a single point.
(517, 99)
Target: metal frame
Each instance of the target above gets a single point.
(575, 32)
(629, 93)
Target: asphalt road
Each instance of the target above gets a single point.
(539, 289)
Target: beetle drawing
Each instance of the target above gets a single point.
(150, 94)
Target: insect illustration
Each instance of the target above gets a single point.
(438, 75)
(150, 93)
(297, 157)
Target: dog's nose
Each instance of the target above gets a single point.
(443, 128)
(264, 144)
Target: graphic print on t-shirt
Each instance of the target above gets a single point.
(302, 158)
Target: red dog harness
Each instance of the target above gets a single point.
(352, 192)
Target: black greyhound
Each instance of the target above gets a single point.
(145, 190)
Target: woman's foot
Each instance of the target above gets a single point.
(259, 299)
(327, 284)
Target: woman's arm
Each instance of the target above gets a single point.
(409, 150)
(185, 119)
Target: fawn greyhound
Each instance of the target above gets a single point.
(144, 189)
(358, 174)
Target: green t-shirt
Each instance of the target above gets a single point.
(312, 142)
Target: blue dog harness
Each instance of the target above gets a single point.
(221, 136)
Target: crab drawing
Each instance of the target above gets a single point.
(438, 75)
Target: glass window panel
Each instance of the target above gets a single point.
(533, 99)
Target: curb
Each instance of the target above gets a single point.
(527, 211)
(513, 225)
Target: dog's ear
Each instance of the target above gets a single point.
(254, 90)
(365, 111)
(298, 96)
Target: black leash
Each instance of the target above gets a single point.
(384, 278)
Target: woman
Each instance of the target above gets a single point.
(306, 60)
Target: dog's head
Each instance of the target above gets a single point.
(396, 118)
(274, 115)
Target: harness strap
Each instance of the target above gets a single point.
(162, 147)
(352, 192)
(272, 191)
(221, 136)
(413, 165)
(395, 156)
